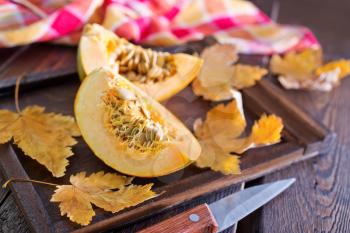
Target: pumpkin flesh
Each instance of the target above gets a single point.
(99, 47)
(134, 155)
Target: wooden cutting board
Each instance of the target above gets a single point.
(51, 81)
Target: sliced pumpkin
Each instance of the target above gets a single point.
(130, 131)
(161, 75)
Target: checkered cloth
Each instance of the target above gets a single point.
(156, 22)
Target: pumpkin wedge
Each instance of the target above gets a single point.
(160, 74)
(130, 131)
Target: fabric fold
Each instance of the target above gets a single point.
(155, 22)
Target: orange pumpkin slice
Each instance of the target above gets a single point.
(130, 131)
(161, 75)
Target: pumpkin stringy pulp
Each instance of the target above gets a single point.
(128, 118)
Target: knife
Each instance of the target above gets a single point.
(223, 213)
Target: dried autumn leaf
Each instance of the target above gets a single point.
(299, 66)
(342, 64)
(219, 78)
(224, 123)
(108, 191)
(217, 64)
(246, 76)
(214, 93)
(220, 134)
(217, 159)
(304, 71)
(266, 131)
(45, 137)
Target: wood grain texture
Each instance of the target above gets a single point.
(27, 198)
(3, 192)
(319, 201)
(11, 218)
(36, 63)
(196, 220)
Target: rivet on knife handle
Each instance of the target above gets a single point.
(196, 220)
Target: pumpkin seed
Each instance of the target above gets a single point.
(129, 120)
(143, 65)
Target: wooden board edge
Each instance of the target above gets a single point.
(35, 78)
(323, 146)
(25, 194)
(13, 56)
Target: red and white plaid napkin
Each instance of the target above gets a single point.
(157, 22)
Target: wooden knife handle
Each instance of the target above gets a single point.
(196, 220)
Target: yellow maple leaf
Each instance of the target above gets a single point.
(266, 131)
(108, 191)
(246, 76)
(217, 66)
(219, 78)
(343, 65)
(299, 66)
(217, 159)
(225, 123)
(220, 134)
(305, 70)
(213, 93)
(45, 137)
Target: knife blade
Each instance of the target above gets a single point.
(233, 208)
(223, 213)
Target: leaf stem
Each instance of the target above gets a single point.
(18, 81)
(27, 180)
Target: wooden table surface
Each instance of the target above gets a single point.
(319, 201)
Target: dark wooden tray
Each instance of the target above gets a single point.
(303, 138)
(37, 62)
